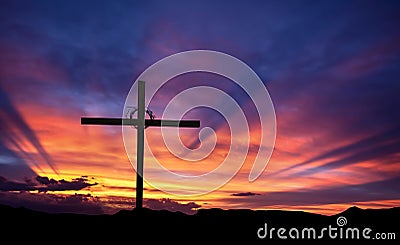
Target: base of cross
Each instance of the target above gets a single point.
(140, 123)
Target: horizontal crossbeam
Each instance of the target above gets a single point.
(133, 122)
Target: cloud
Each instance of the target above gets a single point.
(381, 153)
(20, 194)
(171, 205)
(245, 194)
(6, 185)
(331, 69)
(379, 146)
(44, 184)
(366, 192)
(53, 203)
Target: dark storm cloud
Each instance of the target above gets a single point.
(44, 184)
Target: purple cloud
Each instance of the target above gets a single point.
(171, 205)
(366, 192)
(52, 203)
(44, 184)
(245, 194)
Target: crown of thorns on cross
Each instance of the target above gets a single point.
(132, 110)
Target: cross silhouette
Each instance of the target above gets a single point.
(140, 123)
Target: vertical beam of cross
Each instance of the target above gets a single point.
(140, 145)
(141, 123)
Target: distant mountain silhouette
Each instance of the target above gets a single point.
(206, 225)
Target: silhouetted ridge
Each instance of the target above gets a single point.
(206, 225)
(354, 210)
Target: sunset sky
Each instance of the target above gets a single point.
(332, 69)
